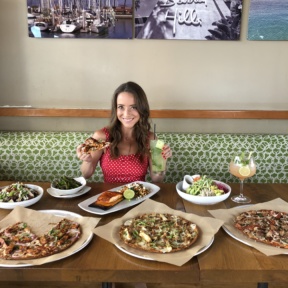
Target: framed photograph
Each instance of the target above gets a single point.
(268, 20)
(188, 19)
(92, 19)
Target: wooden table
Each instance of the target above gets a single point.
(227, 263)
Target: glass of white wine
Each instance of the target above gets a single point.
(242, 166)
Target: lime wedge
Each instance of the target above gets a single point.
(129, 194)
(244, 171)
(159, 144)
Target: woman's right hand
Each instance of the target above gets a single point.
(90, 160)
(83, 156)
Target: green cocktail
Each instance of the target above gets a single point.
(158, 162)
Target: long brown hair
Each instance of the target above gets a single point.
(142, 127)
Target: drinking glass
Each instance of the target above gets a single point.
(158, 162)
(242, 166)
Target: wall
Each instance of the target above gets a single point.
(180, 74)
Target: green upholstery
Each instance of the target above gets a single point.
(43, 156)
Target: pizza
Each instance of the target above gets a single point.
(19, 242)
(265, 226)
(91, 144)
(107, 199)
(159, 233)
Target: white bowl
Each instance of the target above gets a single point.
(203, 200)
(82, 180)
(26, 203)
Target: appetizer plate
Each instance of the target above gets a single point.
(203, 200)
(121, 205)
(60, 213)
(26, 203)
(135, 254)
(54, 193)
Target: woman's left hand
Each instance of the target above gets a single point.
(166, 151)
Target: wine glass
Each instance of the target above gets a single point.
(242, 166)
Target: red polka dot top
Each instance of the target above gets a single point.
(124, 169)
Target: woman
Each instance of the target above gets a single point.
(127, 159)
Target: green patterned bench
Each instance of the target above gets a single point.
(43, 156)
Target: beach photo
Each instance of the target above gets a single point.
(92, 19)
(188, 19)
(268, 20)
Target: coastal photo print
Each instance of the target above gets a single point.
(268, 20)
(188, 19)
(92, 19)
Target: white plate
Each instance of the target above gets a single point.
(151, 259)
(53, 193)
(230, 233)
(121, 205)
(60, 213)
(12, 205)
(235, 237)
(247, 242)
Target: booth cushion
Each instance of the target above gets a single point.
(44, 156)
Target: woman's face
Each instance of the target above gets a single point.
(127, 112)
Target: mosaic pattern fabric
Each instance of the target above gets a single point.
(44, 156)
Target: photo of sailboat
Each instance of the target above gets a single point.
(108, 19)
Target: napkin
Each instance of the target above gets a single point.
(228, 216)
(208, 227)
(41, 223)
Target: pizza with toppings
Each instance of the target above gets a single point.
(92, 144)
(265, 226)
(159, 233)
(19, 242)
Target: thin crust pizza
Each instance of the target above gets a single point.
(265, 226)
(19, 242)
(159, 233)
(92, 144)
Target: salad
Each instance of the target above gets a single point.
(17, 192)
(66, 183)
(205, 186)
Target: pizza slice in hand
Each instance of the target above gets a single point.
(91, 144)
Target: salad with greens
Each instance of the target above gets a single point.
(65, 183)
(17, 192)
(205, 186)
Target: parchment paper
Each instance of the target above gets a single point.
(41, 223)
(228, 216)
(208, 227)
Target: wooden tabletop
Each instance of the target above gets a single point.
(227, 262)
